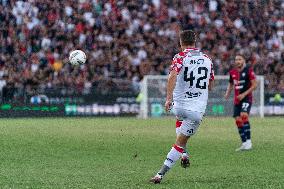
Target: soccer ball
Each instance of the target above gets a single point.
(77, 57)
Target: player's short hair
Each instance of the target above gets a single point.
(244, 56)
(187, 37)
(240, 54)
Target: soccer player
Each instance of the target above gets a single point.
(191, 75)
(243, 80)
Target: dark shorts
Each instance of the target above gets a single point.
(242, 107)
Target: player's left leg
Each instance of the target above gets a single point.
(239, 123)
(173, 155)
(238, 110)
(187, 129)
(247, 132)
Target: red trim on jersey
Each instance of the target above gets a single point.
(251, 74)
(192, 49)
(235, 75)
(207, 56)
(178, 123)
(178, 148)
(177, 61)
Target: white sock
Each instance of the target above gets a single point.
(173, 156)
(248, 141)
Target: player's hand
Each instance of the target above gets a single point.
(226, 96)
(241, 97)
(168, 105)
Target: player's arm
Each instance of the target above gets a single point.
(229, 88)
(211, 85)
(175, 68)
(170, 88)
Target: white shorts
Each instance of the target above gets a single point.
(190, 121)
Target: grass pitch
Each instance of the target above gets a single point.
(124, 153)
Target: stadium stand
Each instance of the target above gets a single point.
(129, 39)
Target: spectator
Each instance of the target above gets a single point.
(128, 40)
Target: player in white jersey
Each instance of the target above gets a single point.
(191, 76)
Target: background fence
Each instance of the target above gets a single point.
(106, 98)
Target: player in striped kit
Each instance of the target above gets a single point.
(190, 78)
(242, 79)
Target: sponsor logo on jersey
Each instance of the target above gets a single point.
(192, 95)
(239, 84)
(239, 87)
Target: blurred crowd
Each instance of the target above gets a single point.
(129, 39)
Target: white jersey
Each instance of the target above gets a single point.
(195, 69)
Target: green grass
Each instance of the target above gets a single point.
(125, 152)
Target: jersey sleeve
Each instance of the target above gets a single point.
(177, 63)
(251, 74)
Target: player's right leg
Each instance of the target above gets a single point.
(239, 124)
(188, 127)
(240, 127)
(178, 124)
